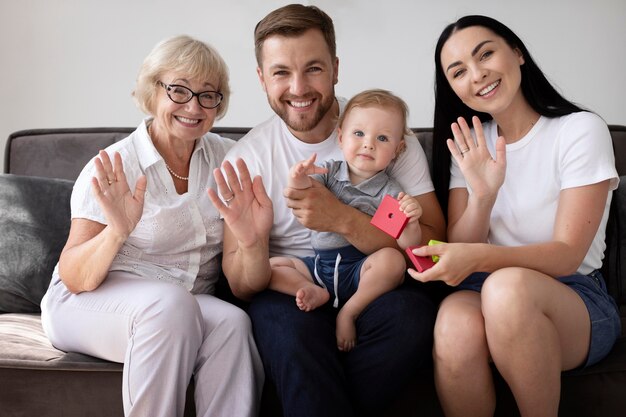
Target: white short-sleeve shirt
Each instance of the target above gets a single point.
(179, 236)
(558, 153)
(270, 149)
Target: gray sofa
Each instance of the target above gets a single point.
(38, 380)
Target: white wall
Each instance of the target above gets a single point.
(72, 63)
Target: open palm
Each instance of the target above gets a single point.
(247, 209)
(121, 208)
(483, 173)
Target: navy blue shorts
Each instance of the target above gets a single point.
(349, 270)
(606, 325)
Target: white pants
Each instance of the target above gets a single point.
(163, 334)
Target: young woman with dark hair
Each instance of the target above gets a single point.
(539, 93)
(527, 192)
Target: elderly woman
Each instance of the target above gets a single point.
(134, 281)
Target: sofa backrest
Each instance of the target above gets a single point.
(62, 153)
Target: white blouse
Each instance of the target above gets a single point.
(179, 237)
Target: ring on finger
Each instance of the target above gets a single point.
(229, 198)
(466, 150)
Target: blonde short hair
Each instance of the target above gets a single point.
(186, 55)
(378, 98)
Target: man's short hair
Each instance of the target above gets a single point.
(291, 21)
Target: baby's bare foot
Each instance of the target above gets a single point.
(346, 331)
(311, 297)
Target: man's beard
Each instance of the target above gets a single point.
(299, 123)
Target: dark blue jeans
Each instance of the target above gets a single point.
(313, 378)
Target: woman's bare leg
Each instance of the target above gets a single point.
(536, 327)
(461, 357)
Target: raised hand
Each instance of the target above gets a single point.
(299, 173)
(110, 187)
(246, 209)
(483, 173)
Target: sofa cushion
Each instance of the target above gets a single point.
(24, 345)
(34, 224)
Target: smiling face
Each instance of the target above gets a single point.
(185, 122)
(483, 70)
(370, 138)
(298, 74)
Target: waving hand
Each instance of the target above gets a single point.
(483, 173)
(121, 208)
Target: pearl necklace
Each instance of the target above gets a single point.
(180, 177)
(175, 174)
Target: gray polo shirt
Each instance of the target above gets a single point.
(365, 196)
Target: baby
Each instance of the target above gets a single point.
(371, 135)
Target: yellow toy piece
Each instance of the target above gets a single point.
(433, 242)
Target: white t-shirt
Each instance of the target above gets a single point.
(178, 236)
(558, 153)
(270, 150)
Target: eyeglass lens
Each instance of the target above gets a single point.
(181, 95)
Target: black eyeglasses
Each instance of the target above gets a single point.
(180, 94)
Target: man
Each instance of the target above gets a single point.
(298, 69)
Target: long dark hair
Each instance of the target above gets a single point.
(537, 90)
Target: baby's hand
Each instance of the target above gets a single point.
(410, 206)
(299, 173)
